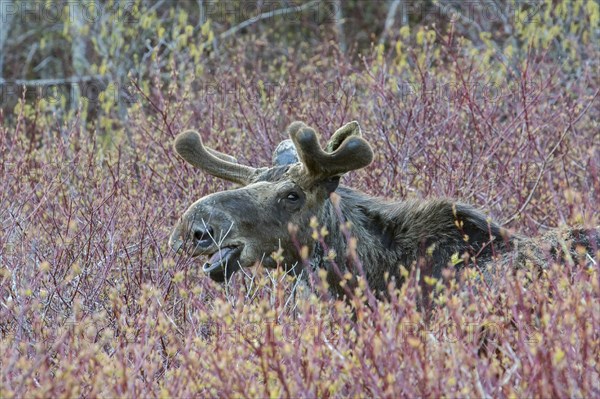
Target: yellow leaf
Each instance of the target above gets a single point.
(455, 259)
(559, 355)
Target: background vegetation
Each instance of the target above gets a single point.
(494, 103)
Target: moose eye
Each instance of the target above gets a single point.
(292, 196)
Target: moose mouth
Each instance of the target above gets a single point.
(223, 263)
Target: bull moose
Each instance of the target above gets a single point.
(275, 210)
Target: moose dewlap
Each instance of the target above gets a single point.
(272, 212)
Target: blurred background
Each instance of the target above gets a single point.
(84, 55)
(440, 85)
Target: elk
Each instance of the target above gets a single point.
(272, 212)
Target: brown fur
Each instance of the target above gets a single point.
(273, 212)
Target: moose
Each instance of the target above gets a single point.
(275, 210)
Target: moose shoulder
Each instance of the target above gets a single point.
(272, 212)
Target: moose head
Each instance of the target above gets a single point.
(239, 228)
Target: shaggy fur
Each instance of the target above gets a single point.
(268, 220)
(433, 234)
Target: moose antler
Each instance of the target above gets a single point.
(189, 146)
(348, 130)
(349, 151)
(221, 156)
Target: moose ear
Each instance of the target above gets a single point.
(285, 153)
(348, 130)
(331, 183)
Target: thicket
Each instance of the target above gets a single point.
(493, 103)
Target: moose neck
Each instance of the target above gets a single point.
(373, 254)
(433, 234)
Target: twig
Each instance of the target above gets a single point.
(547, 159)
(479, 386)
(449, 9)
(265, 15)
(51, 82)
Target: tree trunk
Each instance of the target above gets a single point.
(78, 59)
(7, 12)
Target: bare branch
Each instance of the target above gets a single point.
(265, 15)
(51, 82)
(548, 158)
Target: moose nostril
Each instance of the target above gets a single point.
(203, 235)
